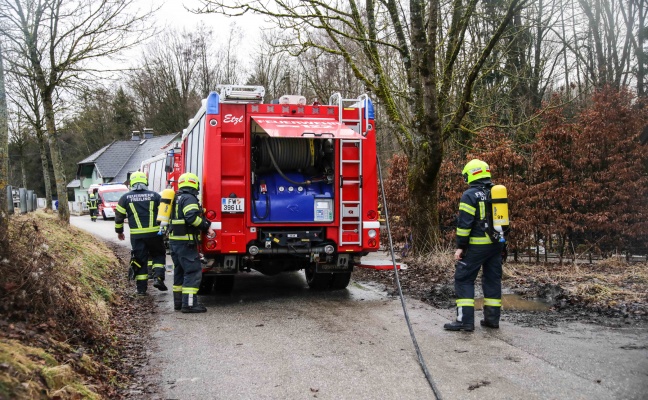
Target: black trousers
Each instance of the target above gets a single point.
(488, 257)
(143, 247)
(93, 214)
(187, 272)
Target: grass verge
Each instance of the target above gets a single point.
(60, 289)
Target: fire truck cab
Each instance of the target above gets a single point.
(286, 185)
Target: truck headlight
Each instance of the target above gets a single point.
(371, 233)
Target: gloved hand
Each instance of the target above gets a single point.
(504, 252)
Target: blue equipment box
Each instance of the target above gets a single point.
(286, 202)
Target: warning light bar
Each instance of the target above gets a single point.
(241, 93)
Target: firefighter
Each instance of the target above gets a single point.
(92, 202)
(141, 206)
(476, 249)
(187, 221)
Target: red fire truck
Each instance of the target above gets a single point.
(287, 186)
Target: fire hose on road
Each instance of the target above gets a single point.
(421, 360)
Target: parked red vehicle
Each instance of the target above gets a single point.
(287, 186)
(109, 195)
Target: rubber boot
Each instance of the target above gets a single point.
(177, 300)
(491, 317)
(159, 280)
(465, 320)
(190, 304)
(141, 287)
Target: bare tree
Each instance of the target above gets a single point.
(53, 43)
(431, 103)
(4, 147)
(25, 97)
(635, 16)
(19, 140)
(180, 68)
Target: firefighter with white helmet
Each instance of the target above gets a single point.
(187, 222)
(476, 248)
(140, 205)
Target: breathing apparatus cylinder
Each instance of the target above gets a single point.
(500, 210)
(164, 211)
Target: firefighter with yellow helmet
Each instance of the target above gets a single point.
(187, 222)
(477, 246)
(93, 200)
(140, 206)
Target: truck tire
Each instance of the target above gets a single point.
(317, 280)
(340, 281)
(224, 284)
(103, 214)
(206, 285)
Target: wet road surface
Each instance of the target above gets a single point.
(273, 338)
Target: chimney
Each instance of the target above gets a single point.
(136, 135)
(148, 133)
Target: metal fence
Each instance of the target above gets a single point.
(22, 201)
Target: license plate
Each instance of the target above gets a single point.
(232, 205)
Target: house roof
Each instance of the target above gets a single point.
(116, 160)
(114, 157)
(74, 184)
(91, 158)
(147, 148)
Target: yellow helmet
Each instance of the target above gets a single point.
(188, 180)
(475, 169)
(138, 177)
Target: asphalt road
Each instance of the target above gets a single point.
(273, 338)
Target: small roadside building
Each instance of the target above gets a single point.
(115, 162)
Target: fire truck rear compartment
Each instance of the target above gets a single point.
(292, 180)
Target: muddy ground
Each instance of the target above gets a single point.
(134, 323)
(610, 293)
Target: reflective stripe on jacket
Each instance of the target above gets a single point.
(141, 207)
(92, 202)
(187, 219)
(471, 228)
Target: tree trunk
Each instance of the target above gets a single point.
(425, 159)
(23, 170)
(55, 152)
(4, 151)
(424, 215)
(42, 145)
(641, 56)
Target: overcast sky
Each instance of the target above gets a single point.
(173, 14)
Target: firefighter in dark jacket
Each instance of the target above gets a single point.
(140, 205)
(92, 202)
(476, 249)
(187, 222)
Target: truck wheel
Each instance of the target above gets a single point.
(224, 284)
(206, 285)
(103, 214)
(317, 280)
(340, 281)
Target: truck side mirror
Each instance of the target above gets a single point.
(168, 165)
